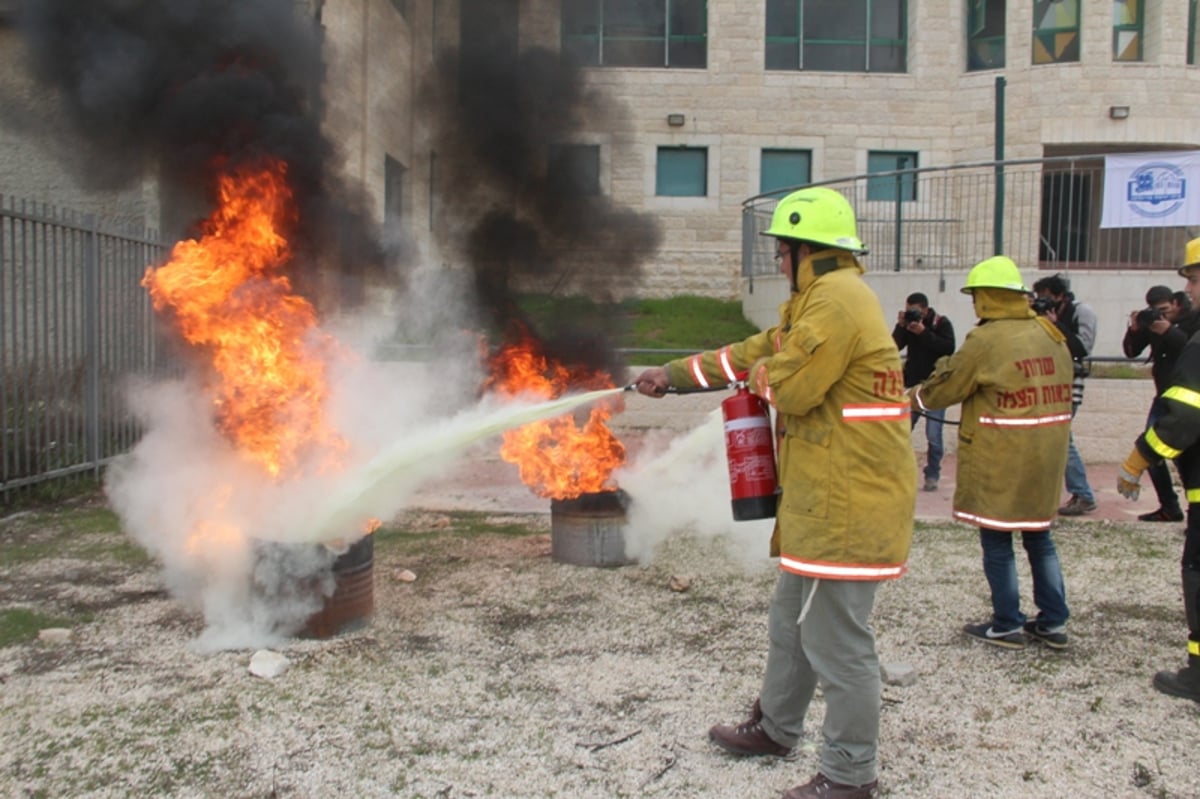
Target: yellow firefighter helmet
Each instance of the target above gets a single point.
(1191, 257)
(997, 272)
(818, 215)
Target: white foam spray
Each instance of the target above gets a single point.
(684, 488)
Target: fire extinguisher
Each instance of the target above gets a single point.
(750, 452)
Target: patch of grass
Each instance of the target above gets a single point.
(686, 323)
(19, 625)
(1121, 371)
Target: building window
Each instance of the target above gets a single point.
(1127, 30)
(837, 35)
(393, 194)
(782, 169)
(574, 169)
(886, 188)
(1055, 31)
(681, 172)
(1193, 50)
(985, 34)
(636, 33)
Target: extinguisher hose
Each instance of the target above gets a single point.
(689, 390)
(930, 416)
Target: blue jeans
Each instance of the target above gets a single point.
(1077, 482)
(1000, 568)
(934, 420)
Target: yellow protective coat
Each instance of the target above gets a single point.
(847, 470)
(1013, 377)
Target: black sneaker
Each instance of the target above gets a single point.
(1012, 639)
(1054, 640)
(1162, 515)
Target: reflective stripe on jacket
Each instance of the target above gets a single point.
(1174, 435)
(1013, 377)
(847, 470)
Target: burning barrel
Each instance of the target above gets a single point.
(353, 600)
(590, 529)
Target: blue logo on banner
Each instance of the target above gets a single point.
(1156, 189)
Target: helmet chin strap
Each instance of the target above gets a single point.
(795, 247)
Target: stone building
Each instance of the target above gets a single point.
(715, 102)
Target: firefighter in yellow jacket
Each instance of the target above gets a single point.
(1176, 436)
(1013, 377)
(848, 476)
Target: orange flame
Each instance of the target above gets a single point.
(230, 300)
(556, 458)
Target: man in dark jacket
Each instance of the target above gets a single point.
(1155, 327)
(927, 336)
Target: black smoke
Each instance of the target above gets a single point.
(520, 225)
(180, 88)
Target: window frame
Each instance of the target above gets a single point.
(568, 41)
(1042, 35)
(679, 149)
(972, 19)
(799, 40)
(876, 187)
(1138, 27)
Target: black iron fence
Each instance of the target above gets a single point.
(75, 325)
(1043, 211)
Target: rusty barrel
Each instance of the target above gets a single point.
(590, 529)
(352, 603)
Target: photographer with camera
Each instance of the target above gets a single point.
(1076, 321)
(1155, 327)
(928, 337)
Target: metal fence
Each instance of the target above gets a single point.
(75, 324)
(1044, 212)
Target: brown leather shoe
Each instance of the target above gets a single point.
(748, 738)
(821, 787)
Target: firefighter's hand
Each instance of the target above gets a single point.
(653, 382)
(1130, 475)
(759, 380)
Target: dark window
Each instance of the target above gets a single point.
(782, 169)
(886, 188)
(1055, 31)
(636, 33)
(681, 172)
(837, 35)
(574, 169)
(985, 34)
(393, 194)
(1193, 52)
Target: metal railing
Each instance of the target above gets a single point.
(75, 324)
(937, 218)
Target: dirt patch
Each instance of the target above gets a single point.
(500, 673)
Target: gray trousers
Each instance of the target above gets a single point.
(834, 647)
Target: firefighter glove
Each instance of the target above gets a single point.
(1130, 475)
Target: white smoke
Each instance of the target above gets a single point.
(253, 554)
(682, 486)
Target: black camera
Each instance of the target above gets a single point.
(913, 315)
(1041, 305)
(1148, 316)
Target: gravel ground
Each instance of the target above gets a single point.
(498, 672)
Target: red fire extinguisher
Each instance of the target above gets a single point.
(750, 451)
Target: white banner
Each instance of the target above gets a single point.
(1151, 189)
